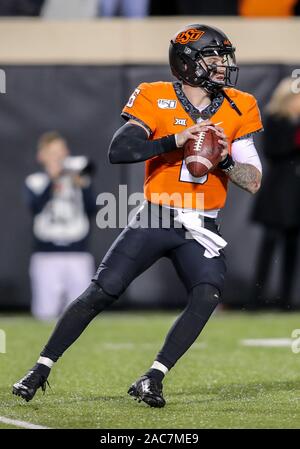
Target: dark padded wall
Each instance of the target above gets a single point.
(84, 103)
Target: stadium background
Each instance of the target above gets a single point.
(76, 77)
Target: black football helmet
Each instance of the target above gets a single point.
(188, 49)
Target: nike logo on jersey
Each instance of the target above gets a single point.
(166, 104)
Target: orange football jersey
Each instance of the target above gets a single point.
(163, 109)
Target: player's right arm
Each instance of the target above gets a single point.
(131, 142)
(135, 141)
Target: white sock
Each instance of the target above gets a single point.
(46, 361)
(160, 367)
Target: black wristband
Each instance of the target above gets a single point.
(227, 164)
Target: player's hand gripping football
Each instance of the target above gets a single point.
(222, 141)
(191, 133)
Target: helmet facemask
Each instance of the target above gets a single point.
(197, 72)
(226, 68)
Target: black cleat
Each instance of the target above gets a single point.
(27, 386)
(147, 389)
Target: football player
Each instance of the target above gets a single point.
(160, 118)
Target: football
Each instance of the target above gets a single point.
(204, 154)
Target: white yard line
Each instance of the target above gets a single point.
(268, 342)
(24, 424)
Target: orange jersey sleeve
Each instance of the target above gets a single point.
(250, 120)
(140, 107)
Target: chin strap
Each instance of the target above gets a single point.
(211, 89)
(214, 90)
(231, 102)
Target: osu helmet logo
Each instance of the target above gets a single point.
(190, 35)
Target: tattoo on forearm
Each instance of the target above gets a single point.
(245, 176)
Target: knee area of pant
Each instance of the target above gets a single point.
(111, 280)
(96, 298)
(205, 292)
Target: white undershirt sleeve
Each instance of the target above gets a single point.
(244, 151)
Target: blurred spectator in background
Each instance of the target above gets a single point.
(274, 8)
(70, 9)
(277, 205)
(62, 203)
(125, 8)
(21, 7)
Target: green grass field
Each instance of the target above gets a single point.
(218, 384)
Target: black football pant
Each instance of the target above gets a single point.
(136, 249)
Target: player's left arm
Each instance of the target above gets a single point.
(243, 166)
(246, 176)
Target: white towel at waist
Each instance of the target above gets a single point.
(211, 241)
